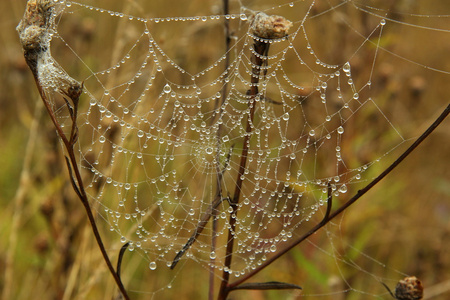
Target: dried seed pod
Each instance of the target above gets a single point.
(31, 37)
(35, 32)
(270, 27)
(409, 288)
(34, 26)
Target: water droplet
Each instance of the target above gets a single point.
(127, 186)
(167, 89)
(225, 138)
(343, 189)
(312, 132)
(209, 150)
(123, 239)
(356, 96)
(243, 17)
(286, 116)
(140, 133)
(152, 265)
(212, 255)
(383, 22)
(346, 67)
(273, 248)
(340, 130)
(102, 139)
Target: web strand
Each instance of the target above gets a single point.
(174, 141)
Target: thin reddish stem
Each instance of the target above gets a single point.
(260, 48)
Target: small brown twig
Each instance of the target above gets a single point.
(260, 47)
(120, 258)
(198, 229)
(264, 28)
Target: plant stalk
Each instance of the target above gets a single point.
(258, 58)
(73, 167)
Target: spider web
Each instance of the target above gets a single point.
(164, 123)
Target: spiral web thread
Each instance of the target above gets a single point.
(157, 133)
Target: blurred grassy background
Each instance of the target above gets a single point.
(47, 250)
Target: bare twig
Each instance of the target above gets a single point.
(77, 183)
(260, 48)
(200, 226)
(264, 27)
(119, 259)
(389, 290)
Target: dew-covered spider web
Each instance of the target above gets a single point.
(172, 136)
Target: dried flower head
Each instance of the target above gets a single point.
(35, 23)
(35, 32)
(269, 27)
(409, 288)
